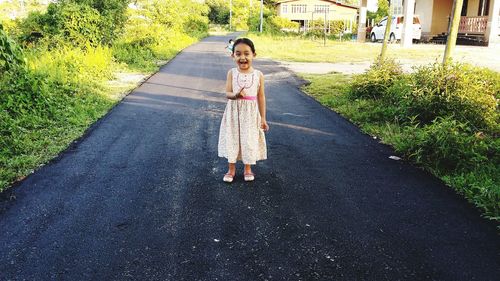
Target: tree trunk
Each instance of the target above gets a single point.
(382, 56)
(451, 41)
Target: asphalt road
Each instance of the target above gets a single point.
(141, 197)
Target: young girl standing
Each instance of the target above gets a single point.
(243, 124)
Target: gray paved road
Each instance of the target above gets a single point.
(140, 197)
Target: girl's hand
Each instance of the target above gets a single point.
(241, 94)
(264, 126)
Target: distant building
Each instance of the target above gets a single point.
(305, 11)
(476, 17)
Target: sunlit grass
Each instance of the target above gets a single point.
(293, 48)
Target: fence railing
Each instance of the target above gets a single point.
(475, 25)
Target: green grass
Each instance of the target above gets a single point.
(480, 184)
(84, 87)
(299, 49)
(34, 140)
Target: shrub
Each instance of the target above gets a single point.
(73, 67)
(481, 187)
(113, 16)
(466, 158)
(66, 23)
(134, 55)
(218, 11)
(334, 28)
(445, 144)
(375, 82)
(75, 22)
(466, 93)
(11, 55)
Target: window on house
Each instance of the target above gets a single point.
(398, 7)
(463, 13)
(484, 7)
(284, 9)
(320, 8)
(297, 9)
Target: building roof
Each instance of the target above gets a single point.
(338, 3)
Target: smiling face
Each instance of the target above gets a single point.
(243, 56)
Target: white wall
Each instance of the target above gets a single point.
(424, 11)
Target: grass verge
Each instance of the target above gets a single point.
(479, 183)
(33, 137)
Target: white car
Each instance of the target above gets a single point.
(377, 32)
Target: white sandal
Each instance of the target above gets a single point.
(249, 176)
(228, 178)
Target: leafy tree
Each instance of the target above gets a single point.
(10, 54)
(179, 15)
(219, 11)
(64, 23)
(113, 16)
(382, 11)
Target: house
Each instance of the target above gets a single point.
(479, 22)
(306, 11)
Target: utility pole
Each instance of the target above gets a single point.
(261, 14)
(251, 4)
(451, 41)
(22, 8)
(324, 31)
(230, 14)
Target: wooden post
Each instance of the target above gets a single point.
(451, 41)
(387, 32)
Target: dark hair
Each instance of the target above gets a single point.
(245, 41)
(231, 40)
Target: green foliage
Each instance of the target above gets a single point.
(176, 15)
(10, 54)
(442, 118)
(336, 29)
(272, 24)
(382, 11)
(466, 159)
(480, 186)
(75, 22)
(72, 67)
(279, 24)
(55, 87)
(444, 145)
(377, 80)
(246, 17)
(219, 11)
(112, 16)
(468, 94)
(153, 32)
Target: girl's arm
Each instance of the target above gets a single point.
(229, 87)
(261, 99)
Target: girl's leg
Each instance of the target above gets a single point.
(229, 176)
(232, 168)
(247, 174)
(248, 169)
